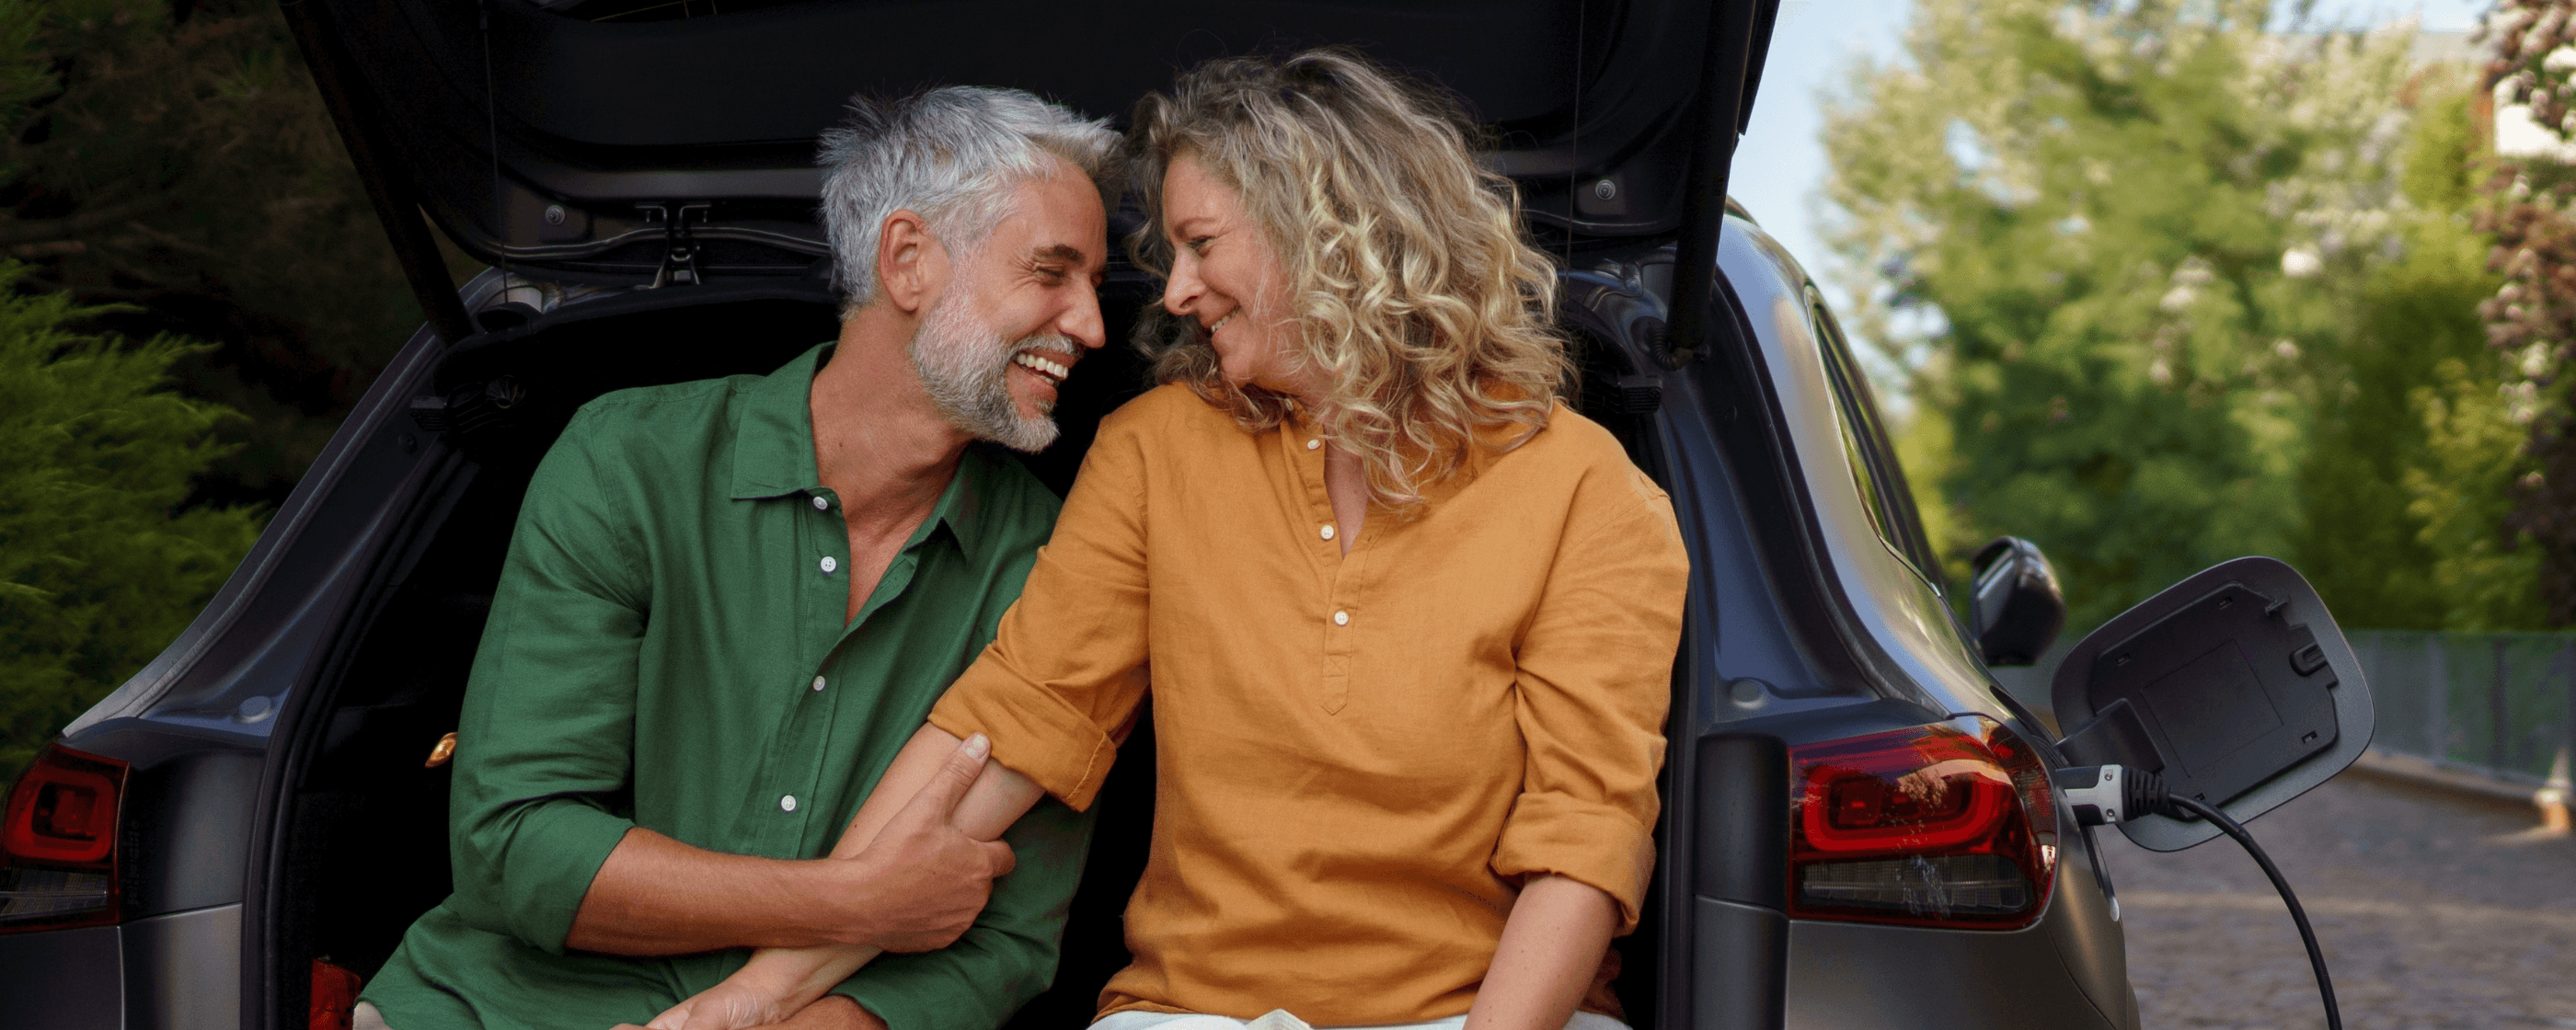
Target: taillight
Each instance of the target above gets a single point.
(58, 843)
(1948, 825)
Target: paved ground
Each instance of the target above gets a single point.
(2434, 913)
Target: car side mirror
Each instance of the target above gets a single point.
(2233, 685)
(2014, 603)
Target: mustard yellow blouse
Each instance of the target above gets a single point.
(1361, 757)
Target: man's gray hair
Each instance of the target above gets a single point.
(953, 155)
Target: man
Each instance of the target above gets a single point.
(728, 603)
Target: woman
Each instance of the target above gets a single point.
(1410, 620)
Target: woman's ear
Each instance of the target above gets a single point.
(912, 266)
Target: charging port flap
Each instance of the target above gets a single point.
(2234, 685)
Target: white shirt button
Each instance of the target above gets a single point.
(820, 504)
(829, 563)
(818, 682)
(1341, 618)
(1328, 532)
(787, 803)
(1312, 444)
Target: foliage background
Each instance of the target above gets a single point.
(199, 292)
(96, 572)
(2170, 288)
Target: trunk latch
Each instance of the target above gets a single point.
(679, 249)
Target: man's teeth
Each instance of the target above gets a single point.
(1032, 362)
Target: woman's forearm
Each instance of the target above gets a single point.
(998, 799)
(1551, 950)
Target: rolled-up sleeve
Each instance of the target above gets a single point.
(547, 731)
(1050, 692)
(1594, 683)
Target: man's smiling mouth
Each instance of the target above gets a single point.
(1053, 370)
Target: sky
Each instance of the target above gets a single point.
(1779, 168)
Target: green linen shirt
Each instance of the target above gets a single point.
(666, 649)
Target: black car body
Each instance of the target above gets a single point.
(269, 802)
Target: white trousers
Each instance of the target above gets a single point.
(1279, 1019)
(365, 1017)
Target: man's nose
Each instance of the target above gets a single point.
(1082, 319)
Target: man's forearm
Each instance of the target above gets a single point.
(657, 896)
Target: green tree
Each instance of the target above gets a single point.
(2125, 225)
(2417, 439)
(99, 567)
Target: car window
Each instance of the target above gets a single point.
(1873, 462)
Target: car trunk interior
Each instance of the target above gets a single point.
(363, 845)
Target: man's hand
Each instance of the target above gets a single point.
(922, 881)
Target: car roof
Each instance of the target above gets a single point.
(582, 137)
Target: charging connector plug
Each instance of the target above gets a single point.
(2105, 794)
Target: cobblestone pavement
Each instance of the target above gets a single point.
(2434, 913)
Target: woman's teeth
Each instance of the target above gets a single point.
(1220, 323)
(1029, 360)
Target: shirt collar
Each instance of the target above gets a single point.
(773, 455)
(773, 444)
(1492, 442)
(961, 507)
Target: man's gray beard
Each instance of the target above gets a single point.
(963, 364)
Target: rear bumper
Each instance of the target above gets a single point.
(1850, 977)
(2069, 970)
(178, 970)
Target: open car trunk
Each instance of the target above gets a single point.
(364, 849)
(599, 146)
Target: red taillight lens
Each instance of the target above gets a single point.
(1944, 825)
(58, 843)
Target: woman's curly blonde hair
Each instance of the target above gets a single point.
(1411, 285)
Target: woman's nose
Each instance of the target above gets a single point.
(1182, 291)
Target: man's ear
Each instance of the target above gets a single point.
(912, 266)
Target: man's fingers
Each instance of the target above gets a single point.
(948, 786)
(1003, 860)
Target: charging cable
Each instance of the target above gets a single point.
(2105, 794)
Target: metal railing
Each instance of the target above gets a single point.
(2502, 705)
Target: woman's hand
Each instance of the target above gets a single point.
(732, 1005)
(832, 1012)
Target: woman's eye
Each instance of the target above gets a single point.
(1198, 244)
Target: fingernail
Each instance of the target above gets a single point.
(977, 745)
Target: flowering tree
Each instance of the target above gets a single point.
(2532, 317)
